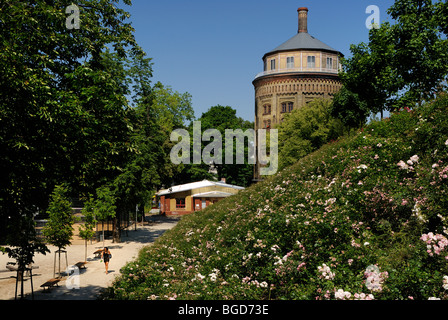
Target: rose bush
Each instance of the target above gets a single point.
(361, 218)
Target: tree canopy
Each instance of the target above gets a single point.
(220, 118)
(63, 110)
(305, 130)
(59, 228)
(404, 63)
(77, 107)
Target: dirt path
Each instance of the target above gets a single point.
(92, 279)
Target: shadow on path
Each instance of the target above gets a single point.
(161, 219)
(158, 224)
(87, 292)
(142, 235)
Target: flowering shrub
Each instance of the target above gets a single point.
(345, 295)
(325, 272)
(375, 278)
(361, 218)
(435, 243)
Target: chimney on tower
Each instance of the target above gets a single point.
(303, 19)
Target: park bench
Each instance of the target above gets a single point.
(50, 283)
(11, 266)
(81, 265)
(98, 252)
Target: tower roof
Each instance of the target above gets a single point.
(302, 40)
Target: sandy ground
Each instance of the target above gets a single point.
(92, 279)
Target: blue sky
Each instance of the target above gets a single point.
(213, 49)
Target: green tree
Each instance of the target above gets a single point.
(442, 13)
(156, 111)
(305, 130)
(403, 63)
(421, 49)
(86, 230)
(160, 110)
(59, 228)
(349, 108)
(23, 244)
(63, 109)
(171, 108)
(221, 118)
(370, 74)
(104, 206)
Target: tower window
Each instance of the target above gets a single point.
(267, 109)
(290, 62)
(311, 61)
(273, 64)
(287, 106)
(290, 106)
(329, 63)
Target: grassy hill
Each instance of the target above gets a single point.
(361, 218)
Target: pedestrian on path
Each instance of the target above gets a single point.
(106, 255)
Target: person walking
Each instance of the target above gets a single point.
(106, 255)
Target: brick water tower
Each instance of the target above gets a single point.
(295, 73)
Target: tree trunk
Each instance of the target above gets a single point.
(103, 233)
(117, 230)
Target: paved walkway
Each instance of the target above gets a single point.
(92, 279)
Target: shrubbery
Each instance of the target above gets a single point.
(361, 218)
(306, 129)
